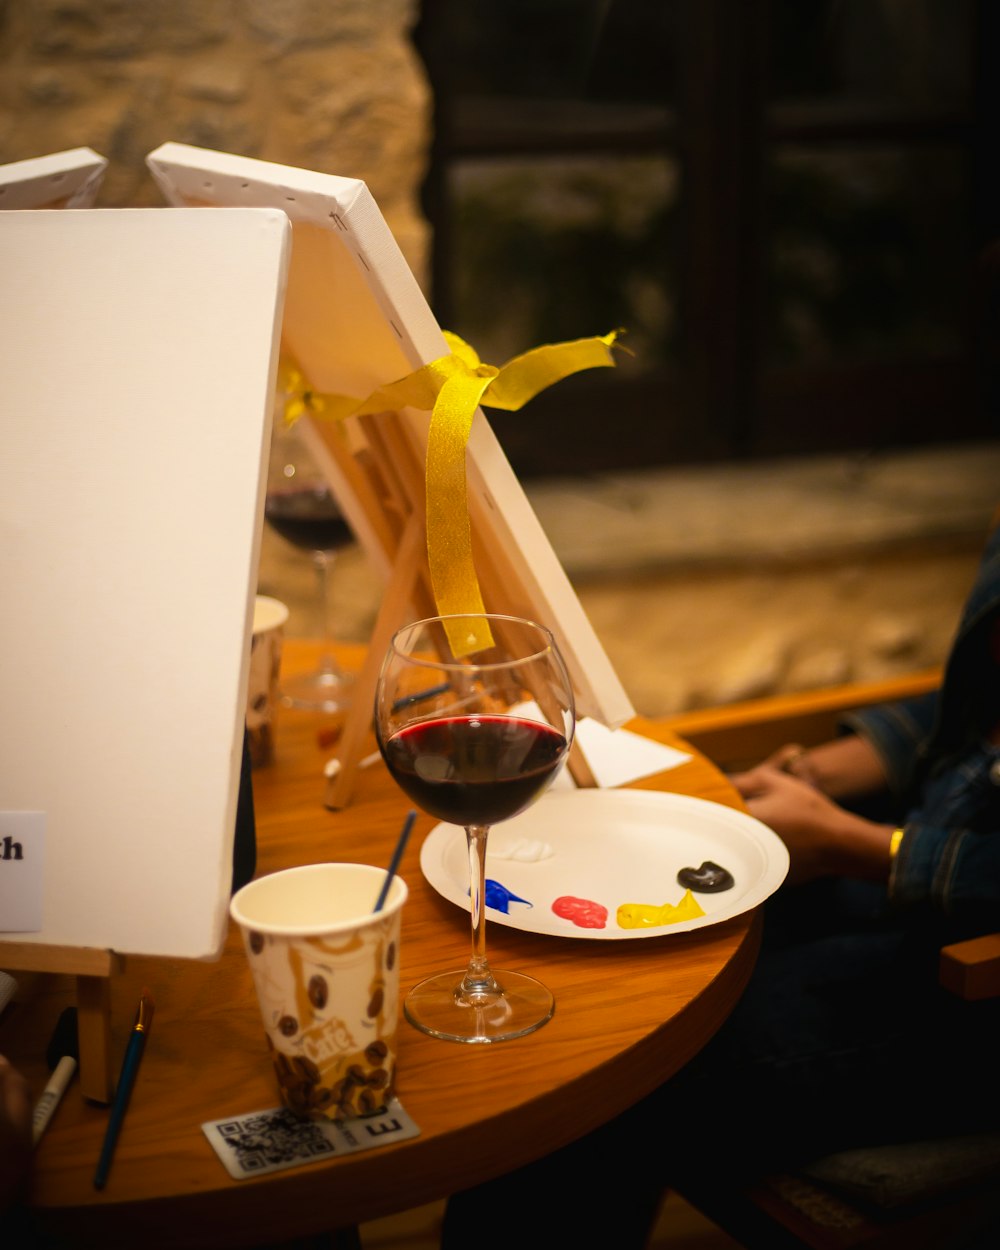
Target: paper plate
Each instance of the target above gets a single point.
(587, 850)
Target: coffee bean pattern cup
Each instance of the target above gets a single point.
(326, 971)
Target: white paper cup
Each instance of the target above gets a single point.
(269, 618)
(326, 969)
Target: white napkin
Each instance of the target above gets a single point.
(618, 756)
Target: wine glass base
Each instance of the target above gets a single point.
(322, 691)
(437, 1006)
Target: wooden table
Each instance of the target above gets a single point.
(628, 1015)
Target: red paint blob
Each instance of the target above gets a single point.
(583, 913)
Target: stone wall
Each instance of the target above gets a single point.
(328, 85)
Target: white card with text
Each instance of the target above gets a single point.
(22, 862)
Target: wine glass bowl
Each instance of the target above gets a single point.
(307, 515)
(300, 507)
(474, 740)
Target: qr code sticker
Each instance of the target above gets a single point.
(272, 1139)
(267, 1141)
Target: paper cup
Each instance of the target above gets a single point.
(269, 617)
(326, 970)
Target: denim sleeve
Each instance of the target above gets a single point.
(951, 871)
(948, 865)
(897, 731)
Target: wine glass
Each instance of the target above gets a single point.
(475, 740)
(300, 507)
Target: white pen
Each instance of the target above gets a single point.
(51, 1096)
(332, 767)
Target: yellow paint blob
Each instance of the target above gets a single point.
(647, 916)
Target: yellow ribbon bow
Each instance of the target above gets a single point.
(451, 388)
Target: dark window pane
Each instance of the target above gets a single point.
(545, 250)
(549, 49)
(868, 253)
(917, 54)
(782, 201)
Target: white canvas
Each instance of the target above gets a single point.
(138, 350)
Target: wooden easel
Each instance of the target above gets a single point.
(93, 969)
(386, 469)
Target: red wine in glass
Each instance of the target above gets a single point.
(474, 717)
(474, 770)
(308, 517)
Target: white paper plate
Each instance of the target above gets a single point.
(610, 847)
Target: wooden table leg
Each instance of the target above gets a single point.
(93, 1009)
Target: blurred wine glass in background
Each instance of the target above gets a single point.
(300, 507)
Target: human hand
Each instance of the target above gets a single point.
(794, 759)
(15, 1134)
(823, 839)
(844, 768)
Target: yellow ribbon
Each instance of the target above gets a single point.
(451, 388)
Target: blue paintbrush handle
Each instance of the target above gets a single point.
(130, 1066)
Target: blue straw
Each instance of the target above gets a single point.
(407, 700)
(397, 855)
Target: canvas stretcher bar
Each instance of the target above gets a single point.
(68, 179)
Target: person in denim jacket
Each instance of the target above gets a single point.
(844, 1037)
(933, 765)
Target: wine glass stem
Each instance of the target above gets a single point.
(322, 561)
(478, 979)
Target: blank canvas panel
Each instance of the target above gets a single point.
(68, 179)
(138, 351)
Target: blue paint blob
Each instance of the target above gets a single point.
(499, 897)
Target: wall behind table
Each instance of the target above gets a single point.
(329, 85)
(712, 585)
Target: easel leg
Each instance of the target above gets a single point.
(398, 595)
(93, 969)
(93, 1010)
(579, 769)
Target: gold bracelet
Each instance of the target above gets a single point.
(894, 841)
